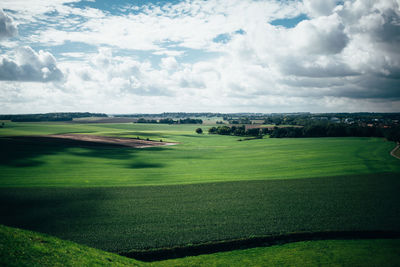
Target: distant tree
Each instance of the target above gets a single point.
(199, 131)
(239, 130)
(189, 120)
(167, 121)
(253, 131)
(212, 130)
(393, 134)
(224, 130)
(264, 131)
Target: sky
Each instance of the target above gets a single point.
(199, 56)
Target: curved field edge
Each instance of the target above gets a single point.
(26, 248)
(368, 252)
(396, 152)
(262, 241)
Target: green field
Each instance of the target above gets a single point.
(25, 248)
(206, 189)
(197, 159)
(120, 219)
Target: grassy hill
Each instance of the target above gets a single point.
(26, 248)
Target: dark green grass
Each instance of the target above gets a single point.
(33, 161)
(26, 248)
(120, 219)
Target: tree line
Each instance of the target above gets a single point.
(314, 130)
(171, 121)
(238, 131)
(60, 116)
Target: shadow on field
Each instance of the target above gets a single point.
(50, 211)
(143, 165)
(193, 135)
(25, 151)
(152, 134)
(152, 255)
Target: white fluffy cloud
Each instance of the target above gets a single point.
(317, 8)
(345, 57)
(322, 35)
(191, 24)
(30, 66)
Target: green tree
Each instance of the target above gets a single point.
(199, 131)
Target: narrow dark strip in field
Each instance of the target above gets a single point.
(123, 219)
(222, 246)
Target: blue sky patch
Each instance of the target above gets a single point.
(120, 7)
(226, 37)
(222, 38)
(291, 22)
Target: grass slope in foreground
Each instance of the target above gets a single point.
(27, 162)
(25, 248)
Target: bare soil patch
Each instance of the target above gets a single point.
(124, 141)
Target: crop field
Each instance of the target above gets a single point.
(205, 189)
(120, 219)
(26, 161)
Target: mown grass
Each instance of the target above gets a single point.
(121, 219)
(26, 248)
(197, 159)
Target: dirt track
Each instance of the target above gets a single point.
(393, 152)
(130, 142)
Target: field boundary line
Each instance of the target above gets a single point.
(394, 150)
(246, 243)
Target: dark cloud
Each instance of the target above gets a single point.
(30, 66)
(360, 87)
(293, 66)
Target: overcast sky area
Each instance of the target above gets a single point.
(199, 56)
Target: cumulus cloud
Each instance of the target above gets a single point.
(320, 7)
(323, 35)
(30, 66)
(168, 63)
(343, 56)
(191, 24)
(7, 26)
